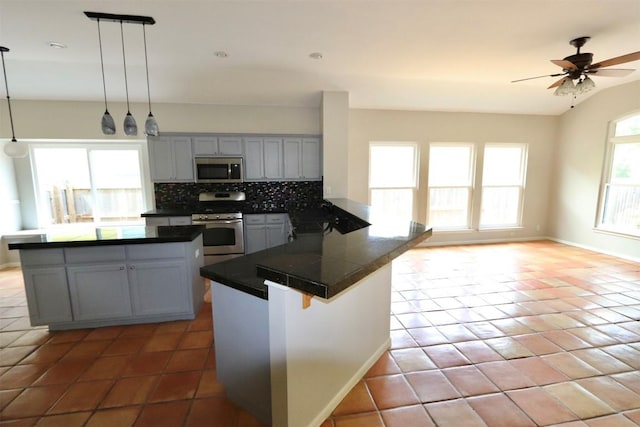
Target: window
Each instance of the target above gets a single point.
(450, 186)
(503, 177)
(620, 192)
(392, 178)
(81, 183)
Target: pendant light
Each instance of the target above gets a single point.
(130, 126)
(150, 125)
(13, 148)
(108, 124)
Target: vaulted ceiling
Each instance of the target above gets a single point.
(447, 55)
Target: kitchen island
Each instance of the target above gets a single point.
(106, 276)
(298, 325)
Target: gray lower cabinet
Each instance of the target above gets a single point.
(167, 220)
(264, 231)
(69, 288)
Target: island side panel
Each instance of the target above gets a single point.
(241, 336)
(319, 353)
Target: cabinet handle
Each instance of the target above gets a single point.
(121, 268)
(132, 267)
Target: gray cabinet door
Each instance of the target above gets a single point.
(205, 146)
(272, 148)
(160, 159)
(47, 295)
(255, 238)
(253, 159)
(276, 235)
(230, 146)
(183, 159)
(159, 287)
(310, 159)
(99, 291)
(292, 147)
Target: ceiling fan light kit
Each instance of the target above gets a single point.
(579, 66)
(13, 148)
(130, 126)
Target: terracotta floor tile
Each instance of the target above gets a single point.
(593, 336)
(609, 315)
(196, 339)
(163, 414)
(631, 380)
(68, 336)
(245, 419)
(413, 320)
(538, 344)
(212, 411)
(9, 356)
(391, 391)
(446, 355)
(504, 375)
(371, 419)
(469, 381)
(633, 416)
(602, 361)
(570, 365)
(200, 325)
(625, 353)
(535, 323)
(541, 407)
(456, 333)
(578, 400)
(402, 339)
(187, 360)
(33, 401)
(586, 318)
(477, 351)
(465, 315)
(612, 393)
(143, 330)
(454, 413)
(21, 376)
(77, 419)
(163, 342)
(63, 372)
(431, 386)
(511, 327)
(86, 349)
(565, 340)
(6, 396)
(84, 396)
(407, 416)
(356, 401)
(177, 326)
(427, 336)
(120, 417)
(385, 365)
(209, 385)
(125, 345)
(616, 420)
(106, 333)
(47, 353)
(484, 330)
(509, 348)
(538, 371)
(105, 368)
(6, 338)
(130, 391)
(32, 337)
(561, 321)
(412, 359)
(176, 386)
(509, 414)
(147, 363)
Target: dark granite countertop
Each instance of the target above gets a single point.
(348, 242)
(104, 236)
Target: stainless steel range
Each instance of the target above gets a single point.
(223, 237)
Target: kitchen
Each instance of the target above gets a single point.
(347, 128)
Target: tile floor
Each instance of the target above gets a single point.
(520, 334)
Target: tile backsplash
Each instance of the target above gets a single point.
(277, 196)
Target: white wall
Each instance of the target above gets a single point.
(581, 148)
(423, 127)
(9, 205)
(335, 136)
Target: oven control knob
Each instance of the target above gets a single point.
(203, 217)
(217, 216)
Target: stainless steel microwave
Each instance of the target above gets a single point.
(218, 169)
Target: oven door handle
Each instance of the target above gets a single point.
(232, 221)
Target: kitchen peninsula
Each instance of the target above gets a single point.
(112, 275)
(298, 325)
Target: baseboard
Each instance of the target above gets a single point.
(429, 243)
(594, 249)
(9, 265)
(333, 403)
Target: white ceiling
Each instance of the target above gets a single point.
(448, 55)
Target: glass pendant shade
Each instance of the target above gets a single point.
(566, 88)
(151, 126)
(130, 126)
(15, 149)
(108, 125)
(585, 85)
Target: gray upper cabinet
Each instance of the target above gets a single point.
(263, 159)
(170, 159)
(217, 146)
(302, 159)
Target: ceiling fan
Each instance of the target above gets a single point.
(579, 66)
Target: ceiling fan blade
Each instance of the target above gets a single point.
(564, 64)
(612, 72)
(617, 60)
(538, 77)
(556, 84)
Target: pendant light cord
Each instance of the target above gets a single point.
(6, 85)
(146, 64)
(104, 85)
(124, 61)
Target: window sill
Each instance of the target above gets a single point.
(501, 228)
(616, 233)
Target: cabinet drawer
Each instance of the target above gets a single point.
(180, 220)
(156, 220)
(41, 257)
(275, 218)
(156, 250)
(254, 219)
(94, 254)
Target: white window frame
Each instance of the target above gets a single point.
(470, 187)
(605, 182)
(413, 187)
(139, 145)
(521, 187)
